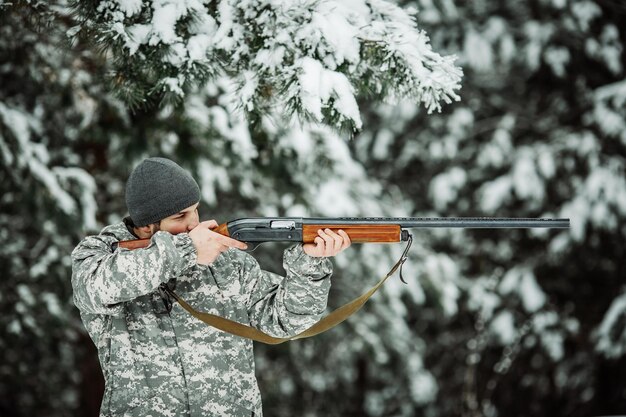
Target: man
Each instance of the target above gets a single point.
(158, 360)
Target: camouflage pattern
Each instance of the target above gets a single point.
(156, 358)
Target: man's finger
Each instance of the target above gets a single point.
(208, 224)
(320, 246)
(332, 246)
(228, 241)
(338, 240)
(330, 243)
(211, 224)
(346, 239)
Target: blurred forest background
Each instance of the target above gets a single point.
(492, 322)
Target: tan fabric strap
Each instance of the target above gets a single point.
(328, 322)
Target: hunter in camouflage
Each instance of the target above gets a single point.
(157, 359)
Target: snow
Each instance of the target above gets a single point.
(478, 52)
(611, 50)
(384, 139)
(25, 294)
(211, 178)
(444, 188)
(498, 150)
(235, 131)
(533, 297)
(130, 7)
(522, 282)
(137, 35)
(526, 182)
(546, 164)
(43, 262)
(609, 100)
(7, 155)
(87, 197)
(552, 338)
(164, 24)
(331, 34)
(423, 387)
(610, 335)
(173, 85)
(508, 50)
(318, 85)
(495, 193)
(557, 58)
(300, 140)
(599, 200)
(53, 304)
(270, 59)
(585, 12)
(482, 299)
(34, 156)
(169, 143)
(503, 328)
(248, 84)
(196, 111)
(227, 33)
(612, 123)
(443, 274)
(334, 200)
(330, 18)
(14, 327)
(177, 54)
(537, 34)
(552, 342)
(197, 47)
(460, 121)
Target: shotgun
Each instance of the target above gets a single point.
(256, 230)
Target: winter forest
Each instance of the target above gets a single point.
(320, 108)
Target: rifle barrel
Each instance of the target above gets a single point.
(456, 222)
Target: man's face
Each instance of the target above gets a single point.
(183, 221)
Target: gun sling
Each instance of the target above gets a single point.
(326, 323)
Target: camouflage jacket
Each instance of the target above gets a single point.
(156, 358)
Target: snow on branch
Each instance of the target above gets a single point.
(611, 333)
(21, 151)
(314, 56)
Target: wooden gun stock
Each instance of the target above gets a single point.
(385, 233)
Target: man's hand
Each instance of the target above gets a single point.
(210, 244)
(328, 243)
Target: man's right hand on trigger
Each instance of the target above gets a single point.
(209, 244)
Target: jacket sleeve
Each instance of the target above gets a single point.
(286, 306)
(103, 278)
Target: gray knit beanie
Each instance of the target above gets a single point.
(158, 188)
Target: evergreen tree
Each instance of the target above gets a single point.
(307, 58)
(491, 322)
(523, 322)
(47, 199)
(68, 145)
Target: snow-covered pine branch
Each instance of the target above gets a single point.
(314, 55)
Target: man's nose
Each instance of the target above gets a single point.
(192, 224)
